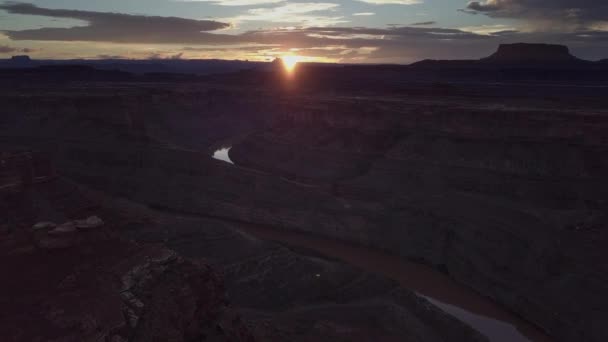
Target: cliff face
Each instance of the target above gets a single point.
(504, 201)
(531, 53)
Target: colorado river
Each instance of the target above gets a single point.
(479, 312)
(222, 154)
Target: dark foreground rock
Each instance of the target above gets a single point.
(79, 281)
(111, 290)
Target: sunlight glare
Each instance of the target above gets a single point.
(290, 62)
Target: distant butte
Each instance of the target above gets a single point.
(23, 58)
(525, 53)
(522, 55)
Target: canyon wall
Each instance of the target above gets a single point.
(507, 197)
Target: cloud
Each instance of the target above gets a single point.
(392, 2)
(236, 2)
(424, 23)
(114, 27)
(104, 56)
(302, 13)
(158, 56)
(364, 14)
(9, 49)
(488, 29)
(485, 6)
(230, 48)
(575, 14)
(312, 38)
(406, 44)
(406, 38)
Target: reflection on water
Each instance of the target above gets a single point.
(497, 331)
(222, 154)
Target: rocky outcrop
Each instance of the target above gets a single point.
(86, 283)
(195, 309)
(115, 291)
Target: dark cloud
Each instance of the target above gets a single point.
(356, 36)
(415, 43)
(468, 11)
(484, 6)
(10, 49)
(123, 28)
(105, 56)
(424, 23)
(7, 49)
(158, 56)
(395, 43)
(382, 45)
(581, 13)
(231, 48)
(116, 27)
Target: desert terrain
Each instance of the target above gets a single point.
(431, 202)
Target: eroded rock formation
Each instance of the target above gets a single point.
(502, 187)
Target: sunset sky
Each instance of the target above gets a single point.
(349, 31)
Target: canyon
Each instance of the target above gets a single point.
(498, 188)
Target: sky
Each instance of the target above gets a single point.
(346, 31)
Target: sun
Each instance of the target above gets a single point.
(290, 62)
